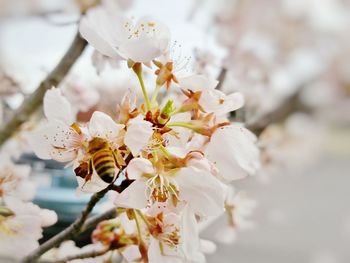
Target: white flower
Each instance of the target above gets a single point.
(20, 228)
(211, 99)
(14, 181)
(59, 139)
(197, 188)
(239, 207)
(101, 126)
(117, 37)
(233, 150)
(176, 239)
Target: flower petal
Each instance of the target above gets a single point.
(57, 107)
(137, 135)
(134, 196)
(137, 167)
(197, 83)
(232, 149)
(103, 126)
(103, 31)
(201, 190)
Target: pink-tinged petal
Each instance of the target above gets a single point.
(139, 166)
(201, 190)
(96, 184)
(134, 196)
(57, 107)
(38, 142)
(207, 246)
(234, 101)
(190, 236)
(226, 235)
(232, 149)
(149, 39)
(155, 255)
(138, 135)
(131, 253)
(198, 83)
(217, 102)
(103, 126)
(102, 30)
(49, 217)
(63, 155)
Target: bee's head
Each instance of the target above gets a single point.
(97, 144)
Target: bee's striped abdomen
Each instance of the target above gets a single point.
(104, 165)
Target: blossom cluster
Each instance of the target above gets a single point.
(178, 154)
(21, 221)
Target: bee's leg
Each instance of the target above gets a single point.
(118, 159)
(90, 171)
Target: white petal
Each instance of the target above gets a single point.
(102, 31)
(103, 126)
(139, 166)
(137, 135)
(207, 246)
(217, 102)
(134, 196)
(232, 149)
(131, 253)
(49, 217)
(38, 142)
(155, 254)
(151, 41)
(57, 107)
(201, 190)
(198, 83)
(190, 236)
(226, 235)
(96, 184)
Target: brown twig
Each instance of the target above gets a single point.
(33, 102)
(290, 105)
(81, 223)
(70, 232)
(221, 78)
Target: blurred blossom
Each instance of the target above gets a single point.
(288, 146)
(239, 208)
(276, 48)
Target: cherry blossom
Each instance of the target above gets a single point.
(60, 138)
(21, 224)
(233, 150)
(239, 208)
(14, 181)
(188, 184)
(120, 38)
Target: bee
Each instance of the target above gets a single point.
(102, 159)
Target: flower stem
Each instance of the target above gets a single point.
(138, 71)
(143, 217)
(138, 226)
(181, 124)
(155, 94)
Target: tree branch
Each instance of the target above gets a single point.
(290, 105)
(89, 254)
(221, 78)
(70, 232)
(30, 105)
(79, 224)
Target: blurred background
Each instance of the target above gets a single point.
(291, 60)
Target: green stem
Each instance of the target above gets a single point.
(181, 124)
(143, 217)
(155, 94)
(138, 226)
(144, 91)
